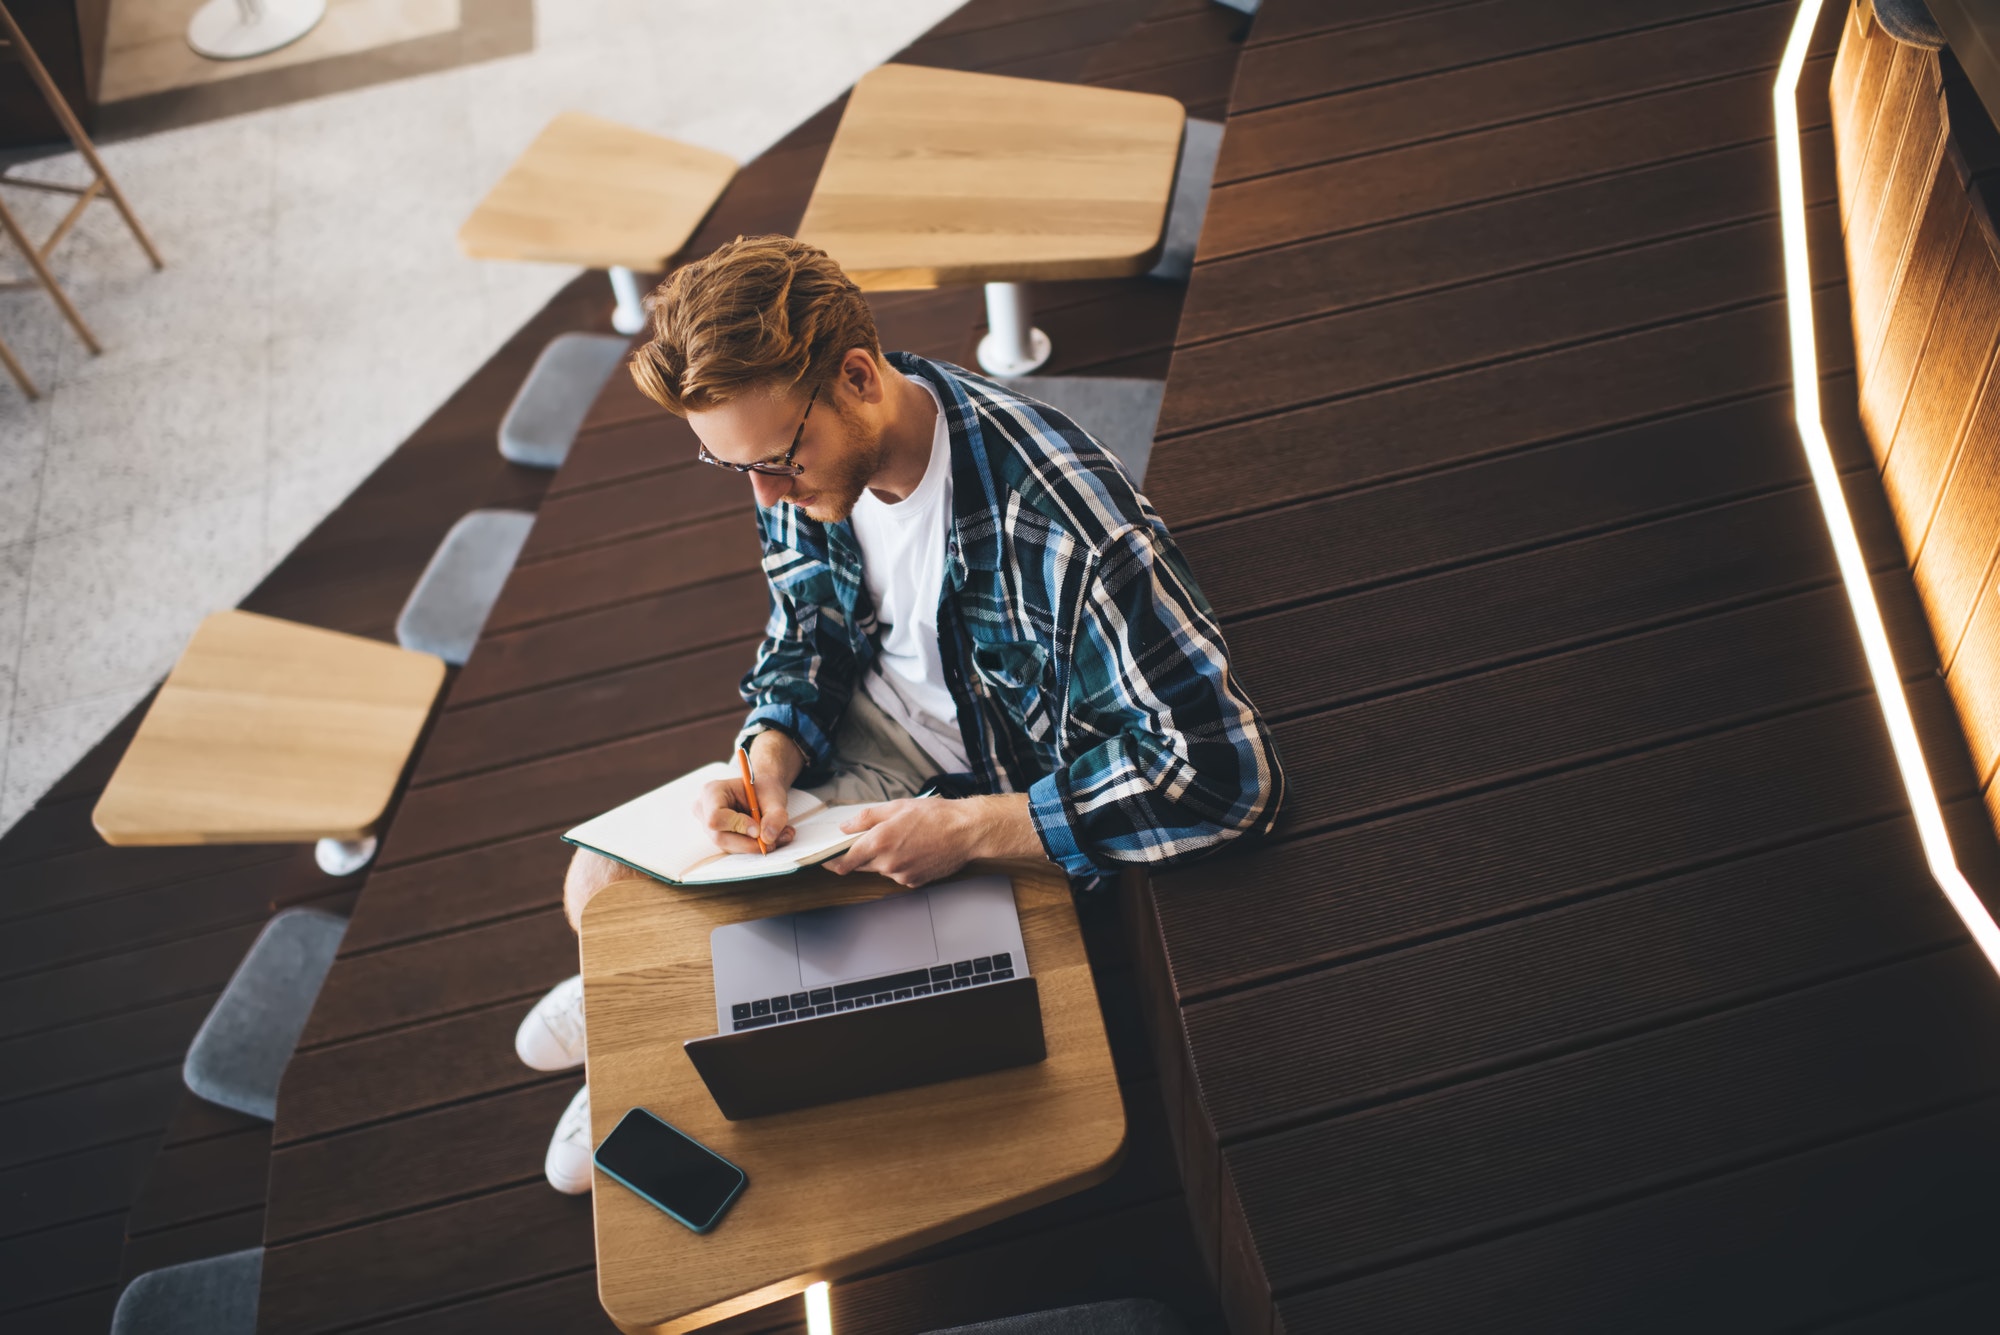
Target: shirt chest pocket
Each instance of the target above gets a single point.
(1014, 675)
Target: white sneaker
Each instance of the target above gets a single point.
(568, 1161)
(551, 1037)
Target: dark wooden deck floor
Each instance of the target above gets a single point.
(111, 957)
(1595, 980)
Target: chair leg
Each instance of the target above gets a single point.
(74, 129)
(14, 369)
(48, 279)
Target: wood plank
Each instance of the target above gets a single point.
(94, 988)
(54, 1192)
(499, 1240)
(348, 1180)
(679, 622)
(1695, 1100)
(605, 456)
(1324, 64)
(1554, 713)
(404, 1071)
(1502, 319)
(1899, 136)
(583, 713)
(1442, 869)
(1484, 412)
(149, 1039)
(192, 1242)
(419, 898)
(1181, 34)
(1911, 306)
(100, 873)
(1877, 255)
(1854, 121)
(995, 45)
(1801, 1239)
(1956, 556)
(1459, 102)
(64, 1262)
(185, 1184)
(547, 794)
(1490, 507)
(444, 975)
(1949, 378)
(1328, 274)
(1974, 682)
(1487, 164)
(679, 493)
(1450, 1011)
(79, 1118)
(641, 566)
(1396, 637)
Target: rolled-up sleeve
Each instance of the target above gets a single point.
(1181, 762)
(806, 667)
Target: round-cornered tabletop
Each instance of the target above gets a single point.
(268, 731)
(841, 1187)
(940, 177)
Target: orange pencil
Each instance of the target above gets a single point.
(750, 787)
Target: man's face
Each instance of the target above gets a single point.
(839, 450)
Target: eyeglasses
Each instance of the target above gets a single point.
(779, 467)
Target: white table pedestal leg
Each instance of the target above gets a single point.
(1012, 346)
(239, 29)
(629, 316)
(344, 857)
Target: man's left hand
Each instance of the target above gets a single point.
(917, 840)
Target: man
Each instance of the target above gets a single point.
(963, 585)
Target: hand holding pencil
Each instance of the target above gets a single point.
(748, 813)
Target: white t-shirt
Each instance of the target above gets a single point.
(902, 564)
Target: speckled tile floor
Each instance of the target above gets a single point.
(313, 312)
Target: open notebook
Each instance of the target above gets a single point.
(657, 834)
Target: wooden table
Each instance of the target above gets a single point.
(593, 192)
(840, 1188)
(938, 177)
(267, 731)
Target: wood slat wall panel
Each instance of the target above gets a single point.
(1947, 383)
(1878, 257)
(1912, 76)
(1885, 377)
(1957, 552)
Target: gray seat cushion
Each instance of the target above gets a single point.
(213, 1296)
(1130, 1316)
(1200, 144)
(460, 585)
(1909, 22)
(239, 1056)
(542, 422)
(1119, 412)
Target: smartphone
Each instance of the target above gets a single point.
(670, 1169)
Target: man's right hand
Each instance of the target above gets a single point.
(724, 808)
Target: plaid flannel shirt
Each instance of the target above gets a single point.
(1087, 668)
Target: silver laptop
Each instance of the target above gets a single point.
(801, 966)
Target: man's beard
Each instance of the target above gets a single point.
(839, 485)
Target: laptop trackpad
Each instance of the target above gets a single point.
(865, 940)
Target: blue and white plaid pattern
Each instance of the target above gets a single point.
(1087, 667)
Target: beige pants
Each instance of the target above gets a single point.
(874, 760)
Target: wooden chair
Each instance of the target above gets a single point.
(101, 184)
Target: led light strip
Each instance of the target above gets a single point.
(1839, 524)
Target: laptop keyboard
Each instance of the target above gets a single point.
(872, 991)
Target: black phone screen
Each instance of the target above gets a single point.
(680, 1175)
